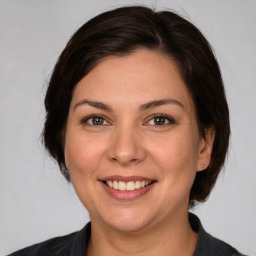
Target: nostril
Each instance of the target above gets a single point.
(126, 148)
(125, 160)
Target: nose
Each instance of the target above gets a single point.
(126, 146)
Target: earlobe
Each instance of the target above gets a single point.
(205, 148)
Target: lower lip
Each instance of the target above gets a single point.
(127, 195)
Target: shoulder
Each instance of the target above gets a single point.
(212, 246)
(58, 246)
(207, 244)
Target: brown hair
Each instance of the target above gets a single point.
(120, 32)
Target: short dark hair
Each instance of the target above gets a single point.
(121, 31)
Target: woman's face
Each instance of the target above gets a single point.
(132, 144)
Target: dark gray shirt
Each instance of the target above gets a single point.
(75, 244)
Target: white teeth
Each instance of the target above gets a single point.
(130, 186)
(110, 183)
(121, 185)
(137, 184)
(115, 184)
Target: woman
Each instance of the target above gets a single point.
(138, 121)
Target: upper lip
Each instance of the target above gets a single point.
(126, 178)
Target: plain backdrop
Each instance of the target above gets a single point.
(36, 203)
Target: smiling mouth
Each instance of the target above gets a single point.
(127, 186)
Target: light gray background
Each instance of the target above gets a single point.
(36, 202)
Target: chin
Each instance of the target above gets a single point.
(126, 225)
(128, 222)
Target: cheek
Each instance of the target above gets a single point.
(177, 152)
(83, 153)
(179, 166)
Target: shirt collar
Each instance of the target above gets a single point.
(207, 245)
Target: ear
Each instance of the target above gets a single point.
(205, 148)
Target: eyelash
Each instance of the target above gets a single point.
(162, 116)
(85, 120)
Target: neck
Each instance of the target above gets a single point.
(174, 237)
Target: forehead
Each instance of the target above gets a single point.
(136, 78)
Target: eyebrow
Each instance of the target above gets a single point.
(94, 104)
(146, 106)
(157, 103)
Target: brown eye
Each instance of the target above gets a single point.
(95, 120)
(159, 120)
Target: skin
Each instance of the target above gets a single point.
(128, 141)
